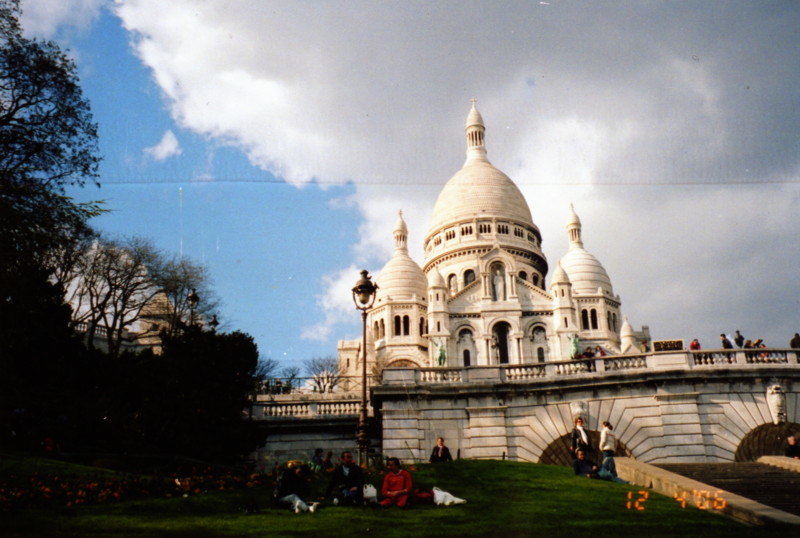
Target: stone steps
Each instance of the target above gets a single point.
(762, 483)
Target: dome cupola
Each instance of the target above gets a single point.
(585, 272)
(401, 278)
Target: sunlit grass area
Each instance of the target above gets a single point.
(503, 499)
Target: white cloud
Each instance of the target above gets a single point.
(166, 148)
(665, 127)
(45, 17)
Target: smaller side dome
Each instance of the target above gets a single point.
(587, 274)
(435, 279)
(559, 276)
(401, 278)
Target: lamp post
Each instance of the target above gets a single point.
(363, 296)
(192, 299)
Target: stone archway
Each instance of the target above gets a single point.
(765, 440)
(558, 452)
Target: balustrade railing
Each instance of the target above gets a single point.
(635, 362)
(306, 409)
(618, 364)
(301, 401)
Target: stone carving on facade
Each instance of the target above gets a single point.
(441, 354)
(498, 286)
(574, 345)
(776, 401)
(579, 409)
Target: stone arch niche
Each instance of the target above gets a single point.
(765, 440)
(466, 348)
(558, 452)
(500, 343)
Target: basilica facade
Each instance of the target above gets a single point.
(480, 297)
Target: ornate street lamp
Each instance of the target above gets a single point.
(192, 299)
(213, 323)
(363, 296)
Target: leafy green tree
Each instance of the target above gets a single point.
(192, 397)
(47, 141)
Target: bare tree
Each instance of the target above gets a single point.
(324, 373)
(267, 368)
(175, 278)
(111, 286)
(289, 375)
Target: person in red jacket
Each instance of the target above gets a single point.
(396, 485)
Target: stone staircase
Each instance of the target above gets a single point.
(766, 484)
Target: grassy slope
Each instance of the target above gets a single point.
(505, 499)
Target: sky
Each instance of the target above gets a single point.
(274, 142)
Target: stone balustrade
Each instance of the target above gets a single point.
(633, 364)
(346, 405)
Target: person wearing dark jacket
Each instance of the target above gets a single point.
(347, 482)
(440, 452)
(584, 466)
(579, 438)
(293, 488)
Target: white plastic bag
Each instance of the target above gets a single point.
(442, 497)
(370, 493)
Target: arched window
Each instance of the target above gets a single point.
(469, 277)
(608, 320)
(540, 354)
(566, 323)
(614, 321)
(406, 325)
(523, 275)
(584, 320)
(535, 280)
(466, 357)
(594, 318)
(383, 330)
(396, 326)
(452, 284)
(421, 326)
(377, 330)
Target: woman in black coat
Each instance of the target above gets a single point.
(440, 452)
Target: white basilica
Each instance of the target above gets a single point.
(480, 297)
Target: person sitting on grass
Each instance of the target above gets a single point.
(583, 465)
(347, 482)
(396, 485)
(293, 488)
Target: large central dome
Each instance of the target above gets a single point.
(479, 189)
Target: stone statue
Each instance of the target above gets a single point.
(579, 409)
(441, 354)
(574, 345)
(776, 400)
(499, 286)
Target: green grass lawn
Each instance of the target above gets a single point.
(504, 499)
